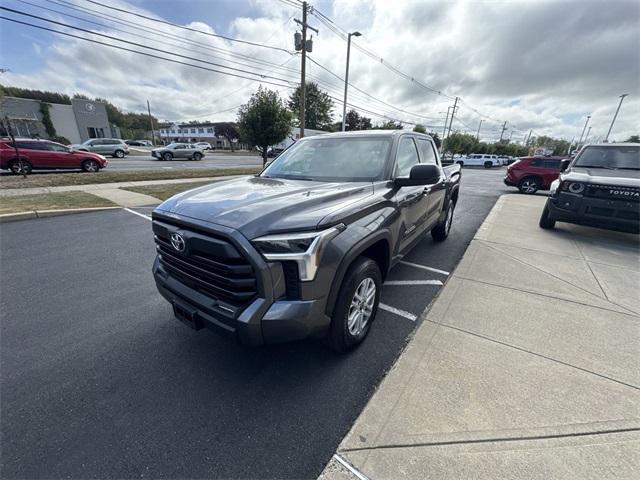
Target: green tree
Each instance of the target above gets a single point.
(420, 129)
(354, 121)
(436, 139)
(463, 143)
(318, 106)
(633, 139)
(264, 120)
(389, 125)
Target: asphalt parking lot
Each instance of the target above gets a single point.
(99, 380)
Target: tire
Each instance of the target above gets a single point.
(14, 167)
(441, 231)
(488, 164)
(529, 185)
(167, 157)
(90, 165)
(546, 221)
(460, 163)
(118, 154)
(349, 322)
(197, 156)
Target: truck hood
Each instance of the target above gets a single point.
(602, 176)
(257, 206)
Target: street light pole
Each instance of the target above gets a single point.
(478, 132)
(583, 129)
(606, 139)
(346, 79)
(586, 139)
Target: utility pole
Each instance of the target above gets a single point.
(453, 113)
(478, 132)
(588, 133)
(346, 79)
(583, 130)
(304, 46)
(153, 133)
(504, 127)
(528, 137)
(606, 139)
(444, 130)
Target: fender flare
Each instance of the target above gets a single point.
(354, 252)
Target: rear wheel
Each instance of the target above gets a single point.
(461, 163)
(488, 164)
(528, 185)
(16, 169)
(197, 156)
(118, 154)
(90, 166)
(167, 156)
(357, 305)
(546, 221)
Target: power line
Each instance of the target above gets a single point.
(142, 45)
(175, 25)
(139, 52)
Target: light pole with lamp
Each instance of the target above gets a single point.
(346, 79)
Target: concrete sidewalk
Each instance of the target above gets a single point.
(526, 366)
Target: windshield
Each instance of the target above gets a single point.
(172, 145)
(333, 159)
(623, 156)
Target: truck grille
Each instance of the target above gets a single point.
(631, 194)
(210, 264)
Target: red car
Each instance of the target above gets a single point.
(46, 155)
(531, 174)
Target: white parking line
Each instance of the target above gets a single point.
(397, 311)
(424, 267)
(413, 282)
(146, 217)
(346, 464)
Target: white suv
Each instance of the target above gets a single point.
(479, 160)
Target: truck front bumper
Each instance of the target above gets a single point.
(263, 321)
(620, 215)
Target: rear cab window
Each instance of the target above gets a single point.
(428, 152)
(406, 157)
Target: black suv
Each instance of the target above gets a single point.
(599, 188)
(301, 249)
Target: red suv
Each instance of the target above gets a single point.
(43, 154)
(531, 174)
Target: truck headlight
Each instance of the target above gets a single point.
(304, 248)
(573, 187)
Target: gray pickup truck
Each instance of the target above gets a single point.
(600, 187)
(302, 249)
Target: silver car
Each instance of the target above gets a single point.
(104, 146)
(178, 150)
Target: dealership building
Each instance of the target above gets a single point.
(80, 121)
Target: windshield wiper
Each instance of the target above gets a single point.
(298, 177)
(595, 166)
(628, 168)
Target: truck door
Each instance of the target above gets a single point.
(435, 193)
(412, 201)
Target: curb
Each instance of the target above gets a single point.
(11, 217)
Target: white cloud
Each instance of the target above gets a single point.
(539, 65)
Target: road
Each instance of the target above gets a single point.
(140, 162)
(99, 380)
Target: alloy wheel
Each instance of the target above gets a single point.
(361, 307)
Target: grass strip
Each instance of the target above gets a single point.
(59, 179)
(166, 190)
(52, 201)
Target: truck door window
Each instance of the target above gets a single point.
(428, 154)
(406, 157)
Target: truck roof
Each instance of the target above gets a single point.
(372, 133)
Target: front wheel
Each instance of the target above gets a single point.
(197, 156)
(546, 221)
(488, 164)
(441, 231)
(90, 166)
(167, 156)
(118, 154)
(357, 305)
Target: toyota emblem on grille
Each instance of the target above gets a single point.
(177, 241)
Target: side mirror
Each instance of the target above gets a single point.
(421, 174)
(564, 164)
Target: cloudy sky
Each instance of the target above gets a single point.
(540, 65)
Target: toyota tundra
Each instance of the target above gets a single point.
(302, 249)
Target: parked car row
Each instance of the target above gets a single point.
(138, 143)
(44, 155)
(484, 160)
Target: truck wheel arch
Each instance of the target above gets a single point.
(377, 247)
